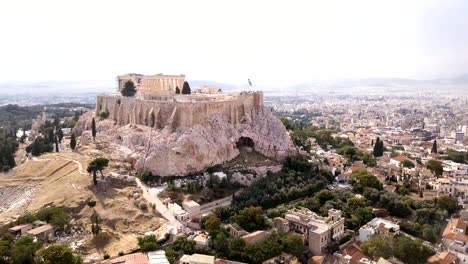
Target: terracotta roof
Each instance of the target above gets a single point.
(136, 258)
(316, 259)
(459, 224)
(18, 227)
(354, 250)
(399, 158)
(382, 228)
(39, 230)
(443, 258)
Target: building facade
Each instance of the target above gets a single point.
(318, 231)
(158, 83)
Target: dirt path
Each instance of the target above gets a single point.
(151, 195)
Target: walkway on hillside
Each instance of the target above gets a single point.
(151, 195)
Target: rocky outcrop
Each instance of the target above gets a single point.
(187, 150)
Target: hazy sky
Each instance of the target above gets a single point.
(272, 42)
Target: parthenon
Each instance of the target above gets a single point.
(158, 83)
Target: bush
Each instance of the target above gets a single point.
(106, 256)
(148, 243)
(143, 206)
(104, 114)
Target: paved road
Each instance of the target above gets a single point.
(151, 195)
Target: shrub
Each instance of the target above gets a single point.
(104, 114)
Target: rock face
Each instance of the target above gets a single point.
(187, 150)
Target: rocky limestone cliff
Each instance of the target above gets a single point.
(189, 150)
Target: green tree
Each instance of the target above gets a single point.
(5, 251)
(177, 90)
(59, 134)
(54, 215)
(73, 142)
(448, 204)
(211, 223)
(360, 179)
(24, 251)
(186, 88)
(148, 243)
(250, 218)
(411, 251)
(434, 147)
(377, 148)
(58, 254)
(96, 165)
(378, 246)
(236, 248)
(93, 129)
(435, 166)
(56, 141)
(40, 145)
(129, 89)
(293, 243)
(407, 164)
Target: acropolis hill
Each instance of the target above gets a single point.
(178, 134)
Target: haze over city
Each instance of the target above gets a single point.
(234, 132)
(274, 43)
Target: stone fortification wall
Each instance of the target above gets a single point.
(179, 110)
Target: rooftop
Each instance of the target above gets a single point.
(39, 230)
(158, 257)
(199, 258)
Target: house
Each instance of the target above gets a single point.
(353, 254)
(443, 258)
(197, 259)
(397, 161)
(45, 233)
(319, 231)
(201, 240)
(178, 212)
(192, 208)
(281, 224)
(135, 258)
(284, 258)
(455, 236)
(256, 237)
(236, 231)
(20, 230)
(220, 175)
(377, 226)
(157, 257)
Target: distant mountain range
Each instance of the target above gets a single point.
(37, 92)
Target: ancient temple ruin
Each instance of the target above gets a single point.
(156, 104)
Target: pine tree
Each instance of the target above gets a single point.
(56, 121)
(93, 129)
(177, 90)
(56, 144)
(73, 142)
(434, 147)
(186, 88)
(129, 89)
(381, 148)
(376, 147)
(59, 134)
